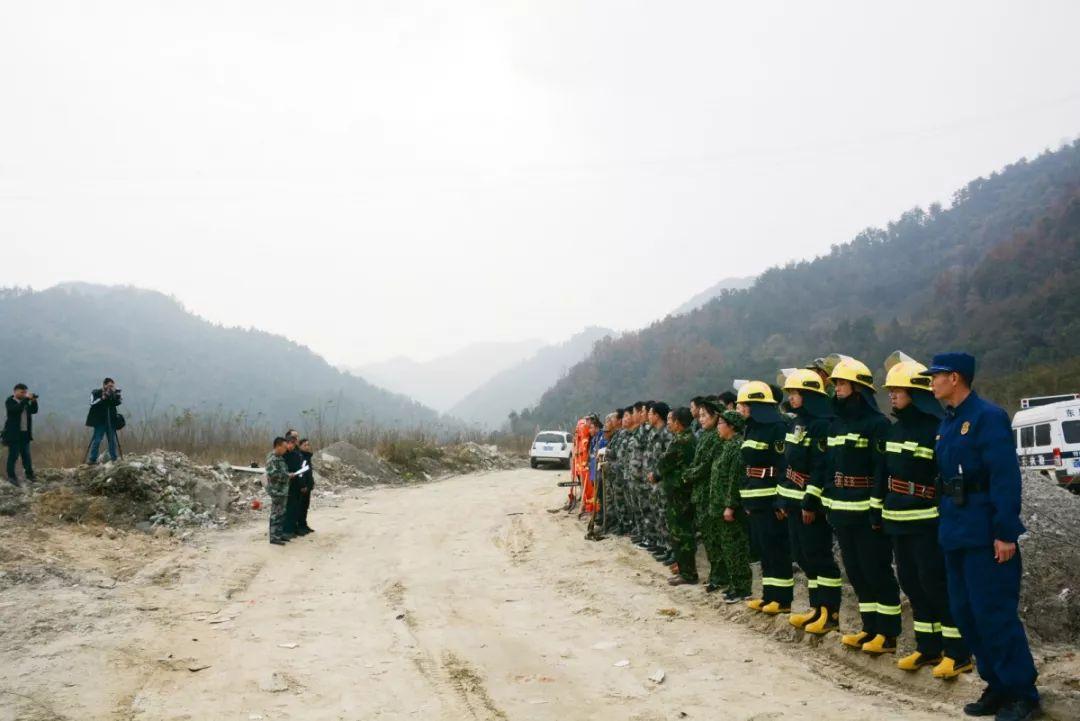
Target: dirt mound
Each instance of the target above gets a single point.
(1050, 596)
(342, 463)
(161, 488)
(369, 468)
(429, 462)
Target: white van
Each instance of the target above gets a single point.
(1048, 440)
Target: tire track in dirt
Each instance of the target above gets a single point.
(452, 678)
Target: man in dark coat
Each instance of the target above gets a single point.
(307, 483)
(103, 418)
(294, 461)
(19, 430)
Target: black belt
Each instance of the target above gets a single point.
(970, 485)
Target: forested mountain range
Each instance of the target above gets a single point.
(997, 273)
(62, 341)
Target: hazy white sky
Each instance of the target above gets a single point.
(383, 178)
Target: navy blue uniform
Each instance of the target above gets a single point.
(907, 486)
(856, 446)
(975, 443)
(811, 543)
(763, 453)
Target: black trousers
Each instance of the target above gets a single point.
(19, 447)
(812, 548)
(920, 564)
(305, 504)
(867, 556)
(292, 506)
(777, 581)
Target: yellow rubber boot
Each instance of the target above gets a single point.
(774, 608)
(798, 620)
(824, 623)
(880, 644)
(950, 668)
(755, 604)
(915, 661)
(854, 640)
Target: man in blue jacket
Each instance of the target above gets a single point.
(978, 529)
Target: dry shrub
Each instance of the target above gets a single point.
(407, 453)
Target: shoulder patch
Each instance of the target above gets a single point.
(779, 446)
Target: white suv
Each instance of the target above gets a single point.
(551, 447)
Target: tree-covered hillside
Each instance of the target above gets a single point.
(997, 273)
(64, 340)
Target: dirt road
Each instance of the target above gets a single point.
(462, 599)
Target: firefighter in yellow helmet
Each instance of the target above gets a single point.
(909, 516)
(856, 444)
(763, 455)
(799, 497)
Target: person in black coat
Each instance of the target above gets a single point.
(307, 483)
(19, 430)
(103, 418)
(294, 461)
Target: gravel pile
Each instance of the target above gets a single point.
(1050, 595)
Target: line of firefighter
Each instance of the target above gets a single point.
(750, 479)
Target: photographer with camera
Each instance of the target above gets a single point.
(104, 418)
(19, 430)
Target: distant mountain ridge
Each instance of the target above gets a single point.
(443, 381)
(62, 341)
(714, 291)
(995, 274)
(522, 384)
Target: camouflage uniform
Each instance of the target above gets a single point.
(728, 470)
(636, 478)
(706, 523)
(677, 489)
(277, 486)
(658, 444)
(614, 515)
(659, 492)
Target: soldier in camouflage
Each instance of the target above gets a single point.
(636, 474)
(658, 442)
(616, 459)
(707, 523)
(727, 473)
(605, 469)
(277, 487)
(677, 490)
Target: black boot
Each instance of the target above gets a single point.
(1019, 709)
(988, 704)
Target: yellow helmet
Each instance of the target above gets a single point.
(756, 392)
(903, 371)
(802, 380)
(850, 369)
